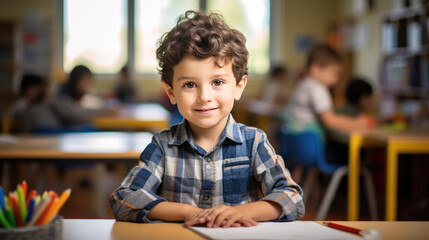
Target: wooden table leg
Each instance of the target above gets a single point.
(353, 184)
(391, 182)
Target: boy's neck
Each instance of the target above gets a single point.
(207, 138)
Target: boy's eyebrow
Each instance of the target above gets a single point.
(193, 78)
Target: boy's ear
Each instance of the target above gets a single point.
(240, 87)
(169, 91)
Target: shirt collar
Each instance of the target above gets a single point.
(183, 134)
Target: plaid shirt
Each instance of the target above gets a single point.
(241, 168)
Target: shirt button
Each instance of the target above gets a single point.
(208, 159)
(208, 167)
(206, 197)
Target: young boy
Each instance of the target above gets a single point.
(310, 106)
(207, 170)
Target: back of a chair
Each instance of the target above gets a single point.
(305, 149)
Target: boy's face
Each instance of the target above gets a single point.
(204, 92)
(328, 75)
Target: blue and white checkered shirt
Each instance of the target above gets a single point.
(241, 168)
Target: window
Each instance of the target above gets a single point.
(252, 18)
(162, 16)
(96, 31)
(95, 34)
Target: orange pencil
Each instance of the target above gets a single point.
(24, 188)
(53, 196)
(56, 207)
(14, 202)
(32, 194)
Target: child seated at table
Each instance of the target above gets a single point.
(310, 106)
(33, 109)
(207, 170)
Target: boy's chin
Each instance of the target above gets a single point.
(206, 123)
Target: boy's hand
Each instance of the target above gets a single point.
(220, 216)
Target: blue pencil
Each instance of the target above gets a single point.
(30, 212)
(1, 198)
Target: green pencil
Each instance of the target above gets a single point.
(9, 215)
(3, 220)
(21, 202)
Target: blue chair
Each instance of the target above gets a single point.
(307, 149)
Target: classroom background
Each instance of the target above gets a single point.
(112, 45)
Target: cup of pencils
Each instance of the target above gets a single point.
(31, 216)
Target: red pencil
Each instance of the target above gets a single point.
(24, 188)
(16, 213)
(342, 227)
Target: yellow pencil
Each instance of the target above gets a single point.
(53, 211)
(40, 209)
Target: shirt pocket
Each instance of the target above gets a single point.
(235, 179)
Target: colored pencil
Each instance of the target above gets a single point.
(24, 188)
(30, 210)
(9, 215)
(342, 227)
(41, 219)
(57, 206)
(14, 202)
(37, 199)
(1, 198)
(3, 220)
(32, 194)
(39, 210)
(21, 203)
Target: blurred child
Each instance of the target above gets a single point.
(310, 106)
(273, 93)
(33, 108)
(69, 103)
(124, 90)
(359, 97)
(208, 170)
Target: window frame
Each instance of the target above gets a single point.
(59, 58)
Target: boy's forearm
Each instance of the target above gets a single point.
(171, 211)
(261, 210)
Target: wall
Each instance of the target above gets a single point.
(306, 18)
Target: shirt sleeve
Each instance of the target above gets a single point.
(320, 99)
(274, 179)
(136, 196)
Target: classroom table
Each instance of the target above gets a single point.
(98, 148)
(142, 116)
(411, 141)
(110, 229)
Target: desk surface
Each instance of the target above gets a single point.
(136, 116)
(110, 229)
(96, 145)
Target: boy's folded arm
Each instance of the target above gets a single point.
(136, 196)
(275, 182)
(172, 211)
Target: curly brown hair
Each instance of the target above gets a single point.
(202, 36)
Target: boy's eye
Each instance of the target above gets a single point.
(189, 85)
(217, 83)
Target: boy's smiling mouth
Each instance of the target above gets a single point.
(205, 110)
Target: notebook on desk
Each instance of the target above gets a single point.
(276, 230)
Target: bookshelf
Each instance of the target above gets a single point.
(8, 61)
(405, 63)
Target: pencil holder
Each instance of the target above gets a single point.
(53, 231)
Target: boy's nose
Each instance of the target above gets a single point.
(204, 95)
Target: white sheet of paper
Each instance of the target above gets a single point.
(277, 230)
